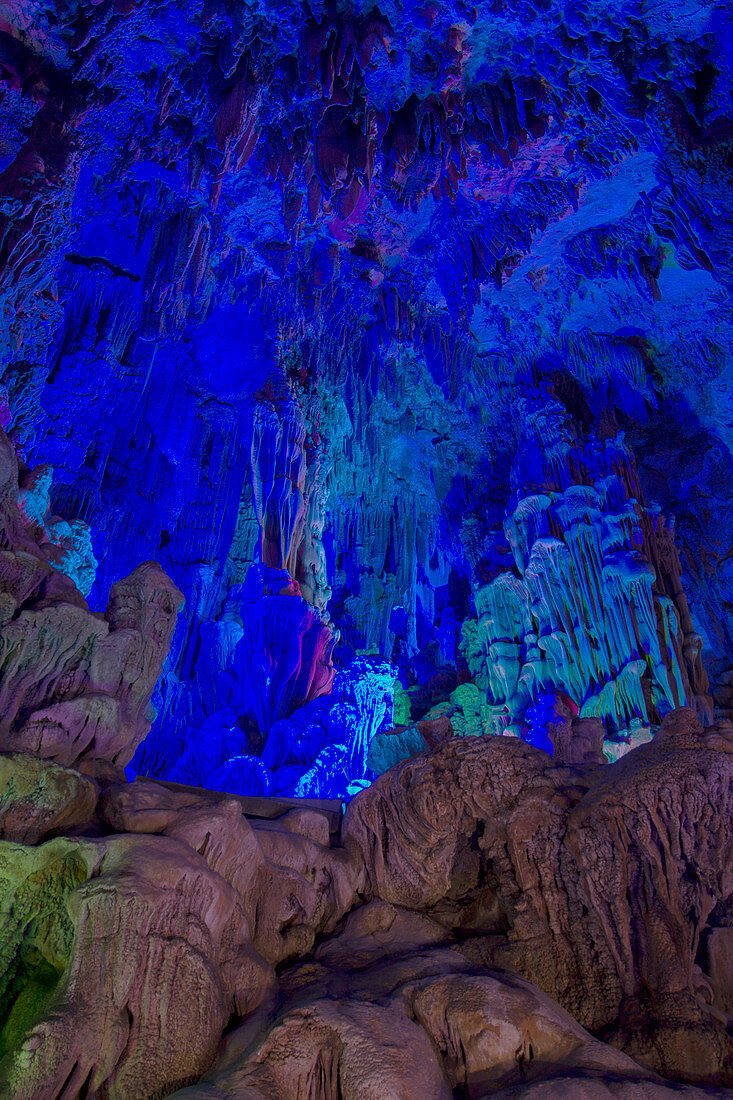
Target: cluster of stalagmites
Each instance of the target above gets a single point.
(594, 607)
(484, 921)
(589, 633)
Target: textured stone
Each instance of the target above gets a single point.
(134, 968)
(473, 888)
(591, 1087)
(319, 290)
(593, 609)
(272, 293)
(292, 883)
(545, 858)
(362, 1034)
(75, 685)
(719, 951)
(39, 797)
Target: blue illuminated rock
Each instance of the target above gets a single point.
(241, 774)
(389, 748)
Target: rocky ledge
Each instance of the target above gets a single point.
(486, 922)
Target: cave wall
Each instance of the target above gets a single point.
(366, 438)
(272, 279)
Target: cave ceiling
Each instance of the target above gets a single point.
(386, 226)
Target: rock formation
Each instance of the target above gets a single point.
(594, 608)
(486, 920)
(273, 282)
(75, 685)
(384, 351)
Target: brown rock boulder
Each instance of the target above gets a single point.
(594, 1087)
(425, 1025)
(718, 949)
(292, 882)
(595, 884)
(145, 806)
(376, 931)
(653, 844)
(125, 958)
(350, 1049)
(497, 1030)
(75, 685)
(39, 797)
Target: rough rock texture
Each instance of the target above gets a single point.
(586, 876)
(140, 952)
(404, 947)
(487, 921)
(593, 609)
(292, 885)
(333, 315)
(39, 798)
(75, 685)
(416, 1025)
(320, 750)
(482, 905)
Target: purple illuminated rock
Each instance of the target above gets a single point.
(283, 658)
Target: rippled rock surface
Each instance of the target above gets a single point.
(484, 920)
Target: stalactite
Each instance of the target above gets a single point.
(587, 612)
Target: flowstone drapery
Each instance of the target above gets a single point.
(594, 607)
(256, 712)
